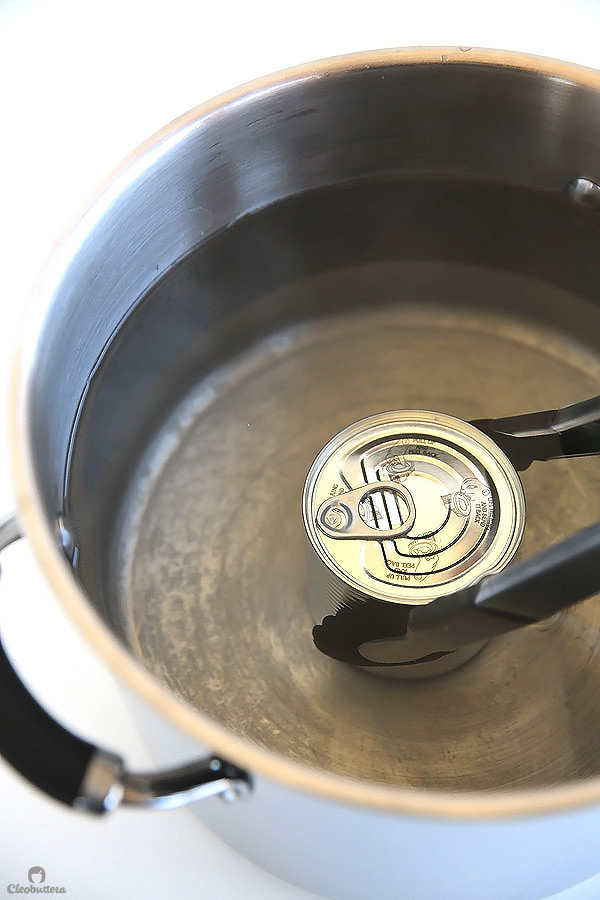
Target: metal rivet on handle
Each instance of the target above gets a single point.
(584, 192)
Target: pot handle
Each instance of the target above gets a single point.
(82, 775)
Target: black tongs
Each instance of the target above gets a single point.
(552, 434)
(543, 584)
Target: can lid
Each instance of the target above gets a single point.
(410, 505)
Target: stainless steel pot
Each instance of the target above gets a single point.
(402, 229)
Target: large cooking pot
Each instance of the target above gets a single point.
(395, 230)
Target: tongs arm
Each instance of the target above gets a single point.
(530, 590)
(551, 434)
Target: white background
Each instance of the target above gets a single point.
(82, 83)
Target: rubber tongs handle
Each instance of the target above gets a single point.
(551, 434)
(546, 583)
(527, 591)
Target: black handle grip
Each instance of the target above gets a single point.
(31, 741)
(44, 752)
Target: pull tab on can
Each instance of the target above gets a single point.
(357, 515)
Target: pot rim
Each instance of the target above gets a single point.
(194, 723)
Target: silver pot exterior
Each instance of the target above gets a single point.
(348, 852)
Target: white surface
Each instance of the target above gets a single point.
(82, 84)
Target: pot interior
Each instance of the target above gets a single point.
(468, 297)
